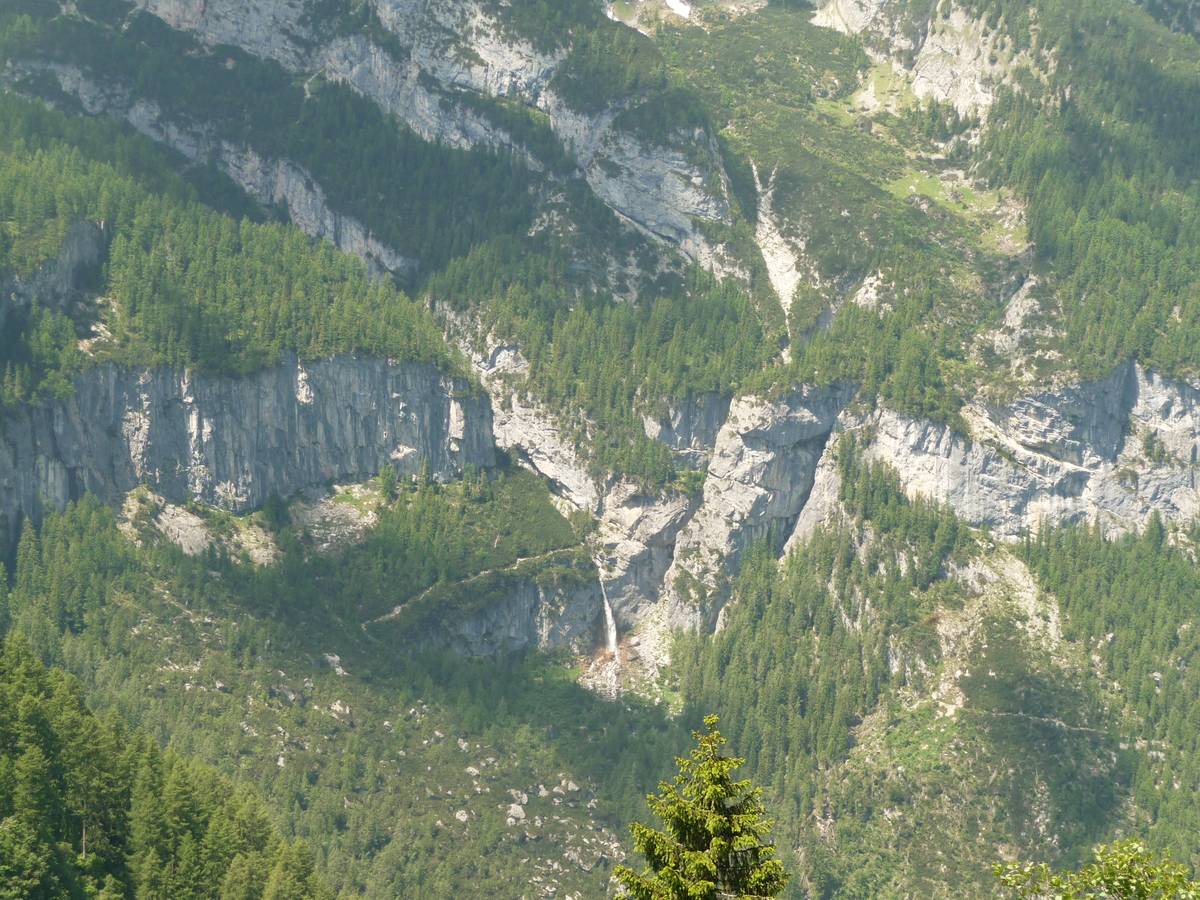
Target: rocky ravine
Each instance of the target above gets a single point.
(1117, 449)
(1114, 450)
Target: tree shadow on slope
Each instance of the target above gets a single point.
(1067, 777)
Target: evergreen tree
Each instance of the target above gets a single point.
(244, 879)
(292, 875)
(4, 613)
(24, 861)
(112, 890)
(1126, 870)
(714, 843)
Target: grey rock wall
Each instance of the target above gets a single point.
(563, 611)
(58, 283)
(758, 483)
(690, 427)
(232, 442)
(456, 45)
(1113, 451)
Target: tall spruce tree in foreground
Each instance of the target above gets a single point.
(714, 843)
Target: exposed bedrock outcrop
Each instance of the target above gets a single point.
(552, 611)
(948, 50)
(456, 46)
(690, 427)
(636, 530)
(1115, 450)
(59, 283)
(665, 189)
(232, 442)
(758, 482)
(272, 182)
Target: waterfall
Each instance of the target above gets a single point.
(610, 622)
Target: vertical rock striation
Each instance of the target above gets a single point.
(232, 442)
(758, 482)
(1113, 451)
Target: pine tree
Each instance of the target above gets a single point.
(28, 565)
(714, 844)
(243, 880)
(1124, 869)
(112, 890)
(148, 830)
(292, 876)
(150, 876)
(4, 617)
(24, 861)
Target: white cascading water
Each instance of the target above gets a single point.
(610, 622)
(604, 675)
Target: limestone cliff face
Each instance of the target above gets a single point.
(232, 442)
(636, 531)
(271, 182)
(555, 611)
(690, 427)
(1115, 451)
(59, 282)
(949, 53)
(758, 482)
(661, 188)
(437, 50)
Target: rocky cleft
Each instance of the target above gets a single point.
(758, 482)
(60, 283)
(690, 427)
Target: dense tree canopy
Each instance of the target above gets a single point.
(182, 284)
(88, 809)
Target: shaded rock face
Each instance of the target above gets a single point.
(759, 479)
(60, 282)
(1178, 15)
(1115, 451)
(232, 442)
(555, 612)
(691, 427)
(636, 530)
(455, 46)
(268, 181)
(948, 51)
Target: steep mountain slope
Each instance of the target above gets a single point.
(160, 822)
(1183, 15)
(700, 277)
